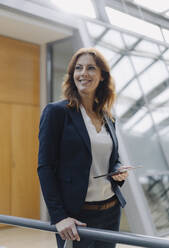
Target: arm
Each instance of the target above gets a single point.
(50, 130)
(119, 179)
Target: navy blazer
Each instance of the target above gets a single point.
(65, 158)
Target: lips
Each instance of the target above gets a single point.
(84, 81)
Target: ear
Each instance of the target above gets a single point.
(102, 79)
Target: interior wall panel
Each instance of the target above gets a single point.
(20, 113)
(19, 71)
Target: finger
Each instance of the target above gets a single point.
(117, 178)
(79, 223)
(71, 235)
(62, 236)
(65, 234)
(75, 233)
(124, 175)
(126, 167)
(120, 177)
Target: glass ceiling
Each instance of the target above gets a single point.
(158, 6)
(132, 23)
(139, 60)
(137, 52)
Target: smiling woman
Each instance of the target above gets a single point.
(77, 144)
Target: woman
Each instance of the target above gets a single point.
(77, 142)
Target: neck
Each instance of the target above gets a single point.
(87, 102)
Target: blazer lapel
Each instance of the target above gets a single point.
(79, 124)
(111, 130)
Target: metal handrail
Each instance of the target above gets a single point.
(92, 233)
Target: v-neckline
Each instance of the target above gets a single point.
(90, 121)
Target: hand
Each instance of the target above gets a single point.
(123, 174)
(67, 228)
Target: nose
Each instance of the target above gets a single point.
(84, 71)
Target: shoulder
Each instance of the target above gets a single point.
(59, 104)
(54, 111)
(56, 107)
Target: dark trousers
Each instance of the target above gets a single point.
(103, 219)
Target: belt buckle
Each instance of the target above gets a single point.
(106, 205)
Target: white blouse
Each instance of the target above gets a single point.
(101, 147)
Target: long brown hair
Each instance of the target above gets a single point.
(105, 92)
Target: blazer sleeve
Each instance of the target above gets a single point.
(50, 131)
(117, 164)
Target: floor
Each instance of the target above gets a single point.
(27, 238)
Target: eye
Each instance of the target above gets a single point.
(77, 67)
(91, 67)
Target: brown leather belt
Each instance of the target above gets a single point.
(101, 206)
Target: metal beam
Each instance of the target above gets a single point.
(139, 12)
(140, 102)
(101, 36)
(128, 50)
(141, 72)
(84, 34)
(99, 6)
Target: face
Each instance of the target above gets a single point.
(87, 75)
